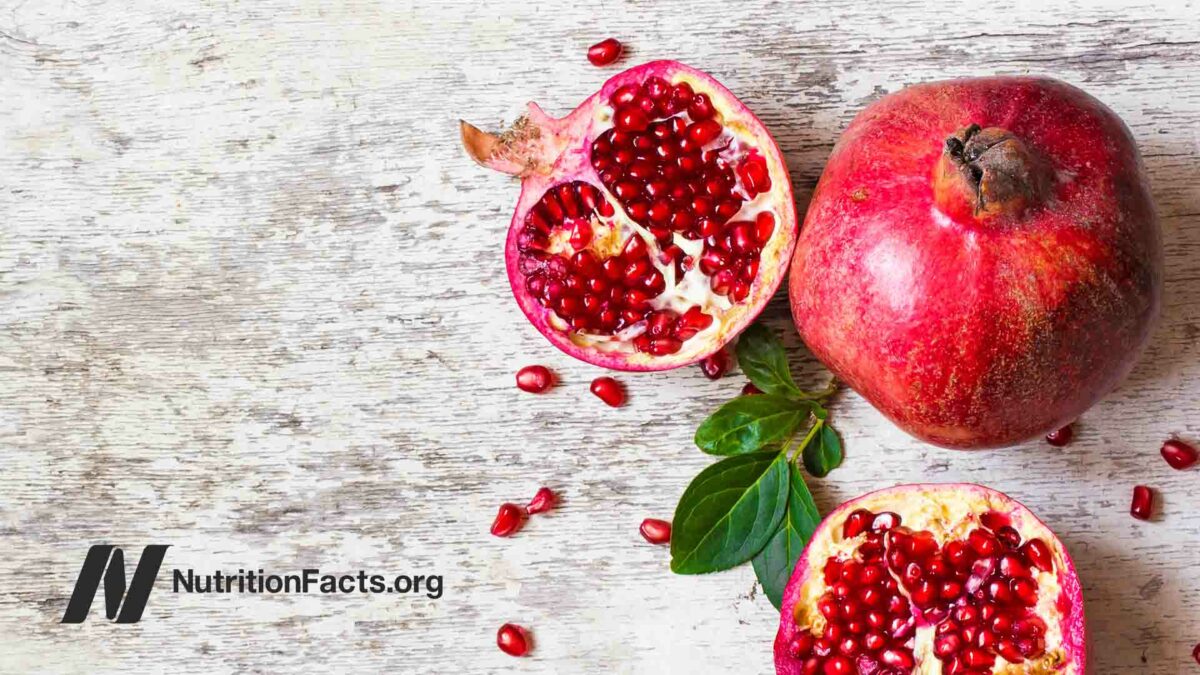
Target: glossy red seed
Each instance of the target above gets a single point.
(542, 501)
(749, 389)
(608, 390)
(512, 640)
(715, 365)
(1196, 653)
(897, 658)
(535, 379)
(1178, 454)
(655, 531)
(508, 520)
(838, 665)
(604, 52)
(857, 523)
(1143, 502)
(700, 108)
(1060, 437)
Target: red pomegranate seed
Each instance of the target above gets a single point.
(1196, 652)
(604, 52)
(608, 390)
(508, 520)
(512, 640)
(542, 501)
(1143, 502)
(749, 389)
(1060, 437)
(715, 365)
(857, 523)
(838, 665)
(535, 379)
(655, 531)
(1178, 454)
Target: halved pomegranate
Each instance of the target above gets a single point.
(655, 220)
(951, 579)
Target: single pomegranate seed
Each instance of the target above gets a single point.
(542, 501)
(1196, 652)
(857, 523)
(801, 645)
(655, 531)
(1143, 502)
(608, 390)
(838, 665)
(508, 520)
(1060, 437)
(604, 52)
(749, 389)
(1178, 454)
(715, 365)
(535, 379)
(511, 640)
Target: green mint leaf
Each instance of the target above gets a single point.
(729, 512)
(774, 564)
(750, 423)
(762, 358)
(823, 452)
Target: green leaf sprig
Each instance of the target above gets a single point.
(754, 503)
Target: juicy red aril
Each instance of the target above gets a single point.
(604, 52)
(1143, 502)
(977, 592)
(512, 640)
(655, 531)
(1060, 437)
(749, 389)
(1178, 454)
(715, 365)
(508, 520)
(1196, 653)
(535, 379)
(608, 390)
(542, 501)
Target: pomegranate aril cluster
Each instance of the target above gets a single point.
(977, 593)
(662, 161)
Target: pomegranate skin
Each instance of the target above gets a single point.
(976, 327)
(1070, 600)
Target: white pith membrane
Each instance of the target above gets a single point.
(686, 287)
(948, 517)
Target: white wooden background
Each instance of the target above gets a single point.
(252, 304)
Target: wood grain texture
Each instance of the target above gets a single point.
(253, 305)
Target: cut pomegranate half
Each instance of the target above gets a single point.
(655, 220)
(956, 579)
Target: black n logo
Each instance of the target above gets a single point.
(109, 562)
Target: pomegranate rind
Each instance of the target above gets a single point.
(551, 151)
(807, 582)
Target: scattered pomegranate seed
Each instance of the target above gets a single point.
(511, 640)
(656, 531)
(609, 391)
(1061, 437)
(1178, 454)
(1143, 502)
(542, 501)
(715, 365)
(1196, 653)
(508, 520)
(535, 379)
(604, 52)
(750, 389)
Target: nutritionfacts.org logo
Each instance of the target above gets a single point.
(104, 565)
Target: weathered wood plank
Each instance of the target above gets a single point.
(254, 306)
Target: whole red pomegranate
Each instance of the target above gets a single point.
(655, 220)
(956, 579)
(981, 258)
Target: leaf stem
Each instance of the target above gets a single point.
(807, 439)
